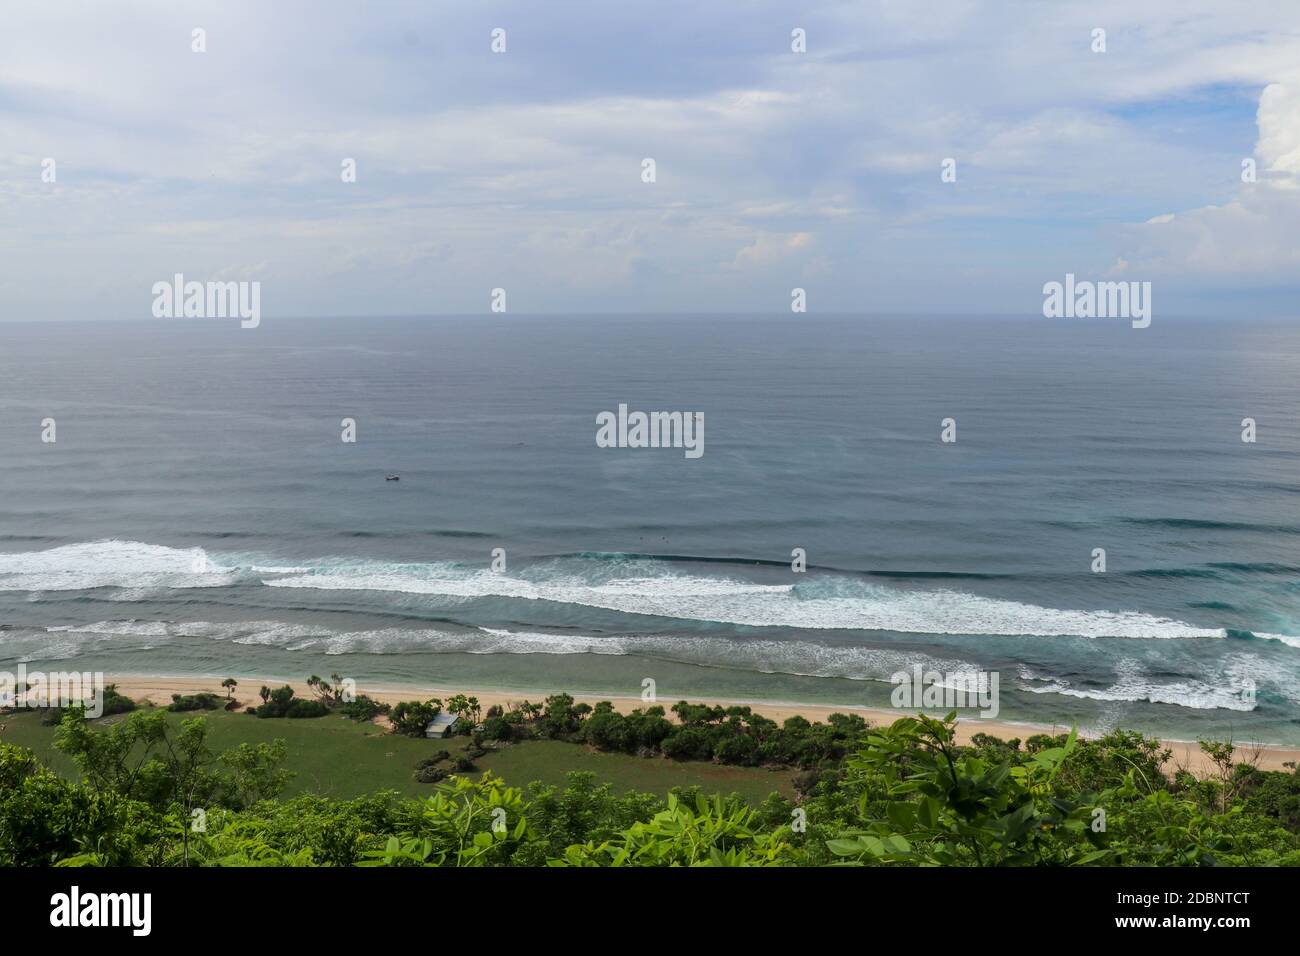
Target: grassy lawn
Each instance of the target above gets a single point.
(549, 760)
(336, 757)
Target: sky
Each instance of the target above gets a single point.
(523, 169)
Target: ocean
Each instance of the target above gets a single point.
(199, 514)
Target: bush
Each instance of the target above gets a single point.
(561, 717)
(429, 774)
(202, 701)
(463, 764)
(608, 730)
(115, 703)
(689, 743)
(276, 703)
(282, 703)
(497, 728)
(306, 708)
(363, 708)
(740, 749)
(807, 781)
(649, 729)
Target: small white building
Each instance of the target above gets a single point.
(441, 725)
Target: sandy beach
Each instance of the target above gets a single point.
(158, 690)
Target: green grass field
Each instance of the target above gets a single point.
(336, 757)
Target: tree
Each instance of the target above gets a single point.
(254, 772)
(143, 758)
(530, 710)
(121, 759)
(411, 717)
(561, 717)
(229, 684)
(45, 819)
(1229, 777)
(188, 762)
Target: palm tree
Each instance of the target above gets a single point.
(229, 684)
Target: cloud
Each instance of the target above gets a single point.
(767, 249)
(522, 170)
(1253, 236)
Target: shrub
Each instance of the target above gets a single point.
(740, 749)
(275, 703)
(115, 703)
(607, 729)
(688, 743)
(363, 708)
(306, 708)
(497, 728)
(429, 774)
(202, 701)
(649, 729)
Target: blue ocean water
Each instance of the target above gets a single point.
(199, 514)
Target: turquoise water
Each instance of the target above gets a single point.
(199, 514)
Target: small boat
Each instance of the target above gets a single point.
(393, 478)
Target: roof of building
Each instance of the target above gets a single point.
(443, 720)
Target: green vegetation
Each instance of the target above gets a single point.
(113, 703)
(189, 702)
(343, 759)
(134, 787)
(282, 703)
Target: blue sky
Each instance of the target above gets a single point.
(775, 169)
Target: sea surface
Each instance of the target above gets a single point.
(199, 513)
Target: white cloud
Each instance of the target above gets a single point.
(1256, 234)
(523, 169)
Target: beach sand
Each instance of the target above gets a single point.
(159, 690)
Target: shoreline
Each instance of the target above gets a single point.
(1186, 753)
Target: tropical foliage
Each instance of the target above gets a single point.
(151, 793)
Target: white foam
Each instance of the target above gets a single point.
(113, 563)
(1288, 639)
(856, 606)
(792, 657)
(1133, 686)
(800, 658)
(823, 603)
